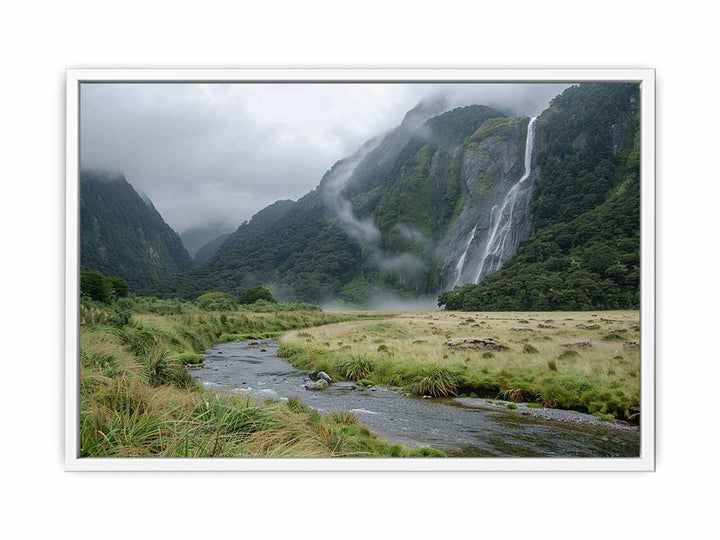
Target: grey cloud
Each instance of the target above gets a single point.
(214, 154)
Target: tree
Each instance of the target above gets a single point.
(254, 294)
(120, 286)
(96, 286)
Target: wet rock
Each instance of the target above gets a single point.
(482, 343)
(320, 384)
(320, 376)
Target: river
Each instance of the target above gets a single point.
(459, 427)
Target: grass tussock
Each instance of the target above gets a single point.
(435, 382)
(355, 368)
(138, 400)
(553, 374)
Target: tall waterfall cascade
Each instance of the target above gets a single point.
(505, 228)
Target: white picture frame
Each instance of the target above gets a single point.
(646, 459)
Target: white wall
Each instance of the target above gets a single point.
(38, 42)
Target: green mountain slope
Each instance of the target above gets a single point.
(205, 253)
(312, 252)
(407, 207)
(196, 238)
(122, 234)
(584, 251)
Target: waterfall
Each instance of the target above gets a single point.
(461, 261)
(501, 229)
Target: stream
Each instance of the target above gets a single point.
(467, 427)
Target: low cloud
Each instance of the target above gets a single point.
(214, 154)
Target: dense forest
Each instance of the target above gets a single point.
(124, 235)
(584, 251)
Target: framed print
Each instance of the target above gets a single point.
(384, 269)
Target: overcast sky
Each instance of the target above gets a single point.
(214, 154)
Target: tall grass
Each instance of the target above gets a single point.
(137, 399)
(435, 382)
(536, 365)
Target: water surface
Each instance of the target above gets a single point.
(445, 424)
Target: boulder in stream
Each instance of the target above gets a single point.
(320, 376)
(320, 384)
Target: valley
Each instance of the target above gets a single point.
(516, 234)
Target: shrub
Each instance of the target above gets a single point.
(190, 358)
(96, 286)
(614, 336)
(119, 286)
(427, 452)
(254, 294)
(216, 301)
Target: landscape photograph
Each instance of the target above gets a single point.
(421, 270)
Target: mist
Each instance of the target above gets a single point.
(212, 155)
(386, 300)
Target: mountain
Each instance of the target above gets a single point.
(503, 212)
(122, 234)
(196, 238)
(210, 274)
(377, 218)
(205, 253)
(584, 249)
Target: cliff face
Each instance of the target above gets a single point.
(491, 165)
(123, 235)
(582, 249)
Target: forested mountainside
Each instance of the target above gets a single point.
(198, 237)
(205, 253)
(501, 212)
(584, 249)
(375, 219)
(123, 235)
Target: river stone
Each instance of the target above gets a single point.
(320, 384)
(320, 375)
(482, 343)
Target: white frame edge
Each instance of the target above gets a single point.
(646, 461)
